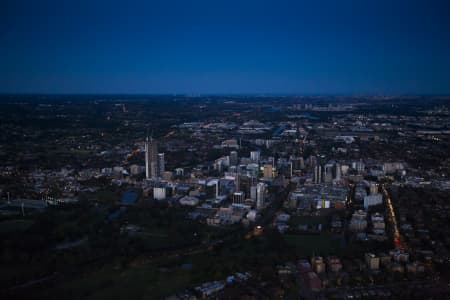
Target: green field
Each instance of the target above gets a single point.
(134, 283)
(148, 277)
(307, 245)
(15, 226)
(309, 220)
(150, 280)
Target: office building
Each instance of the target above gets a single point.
(372, 199)
(161, 164)
(261, 190)
(338, 172)
(328, 173)
(233, 158)
(358, 166)
(255, 156)
(135, 169)
(312, 161)
(268, 171)
(238, 198)
(373, 188)
(317, 174)
(159, 193)
(253, 192)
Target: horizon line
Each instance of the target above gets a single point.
(255, 94)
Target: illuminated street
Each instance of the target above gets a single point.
(398, 240)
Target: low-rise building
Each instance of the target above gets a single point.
(378, 225)
(372, 261)
(358, 222)
(189, 201)
(372, 200)
(334, 264)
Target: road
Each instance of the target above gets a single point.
(398, 239)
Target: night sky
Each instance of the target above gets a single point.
(231, 47)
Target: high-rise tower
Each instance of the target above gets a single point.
(151, 158)
(161, 164)
(318, 174)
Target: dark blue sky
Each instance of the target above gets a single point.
(301, 47)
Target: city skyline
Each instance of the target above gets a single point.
(241, 197)
(257, 149)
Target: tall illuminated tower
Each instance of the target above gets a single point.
(151, 159)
